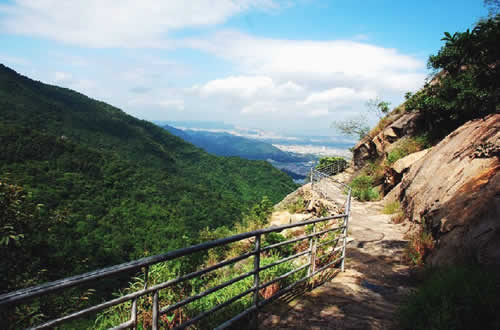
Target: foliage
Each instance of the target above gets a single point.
(468, 85)
(274, 238)
(362, 188)
(328, 161)
(454, 298)
(100, 187)
(355, 126)
(24, 229)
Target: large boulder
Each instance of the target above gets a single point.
(394, 174)
(455, 190)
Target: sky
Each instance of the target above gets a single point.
(290, 67)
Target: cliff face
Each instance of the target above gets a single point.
(454, 187)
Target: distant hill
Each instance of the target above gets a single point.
(119, 187)
(226, 144)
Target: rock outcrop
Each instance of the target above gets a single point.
(371, 148)
(455, 190)
(394, 174)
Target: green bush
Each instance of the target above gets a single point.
(454, 298)
(362, 188)
(274, 238)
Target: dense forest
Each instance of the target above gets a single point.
(84, 185)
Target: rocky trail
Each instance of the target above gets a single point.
(367, 294)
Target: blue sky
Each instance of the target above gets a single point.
(292, 67)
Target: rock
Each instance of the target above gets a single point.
(404, 163)
(458, 195)
(371, 148)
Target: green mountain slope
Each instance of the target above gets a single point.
(121, 188)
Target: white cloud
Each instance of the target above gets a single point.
(172, 104)
(339, 95)
(117, 23)
(242, 86)
(335, 62)
(318, 113)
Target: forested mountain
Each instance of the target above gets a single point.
(85, 185)
(225, 144)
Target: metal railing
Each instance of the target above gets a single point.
(330, 169)
(335, 248)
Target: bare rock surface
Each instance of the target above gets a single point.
(367, 294)
(371, 148)
(455, 189)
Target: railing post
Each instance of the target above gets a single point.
(256, 278)
(156, 310)
(312, 253)
(346, 223)
(311, 177)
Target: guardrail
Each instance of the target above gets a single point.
(335, 248)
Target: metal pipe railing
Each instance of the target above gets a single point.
(340, 223)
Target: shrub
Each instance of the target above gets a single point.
(362, 188)
(274, 238)
(454, 298)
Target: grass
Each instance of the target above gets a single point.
(392, 207)
(454, 298)
(406, 146)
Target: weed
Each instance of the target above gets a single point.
(391, 207)
(420, 245)
(398, 218)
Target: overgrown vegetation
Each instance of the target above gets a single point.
(91, 186)
(454, 298)
(468, 83)
(362, 188)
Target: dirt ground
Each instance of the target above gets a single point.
(367, 294)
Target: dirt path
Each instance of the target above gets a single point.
(367, 294)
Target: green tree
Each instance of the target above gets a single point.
(467, 81)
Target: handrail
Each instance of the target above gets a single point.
(28, 294)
